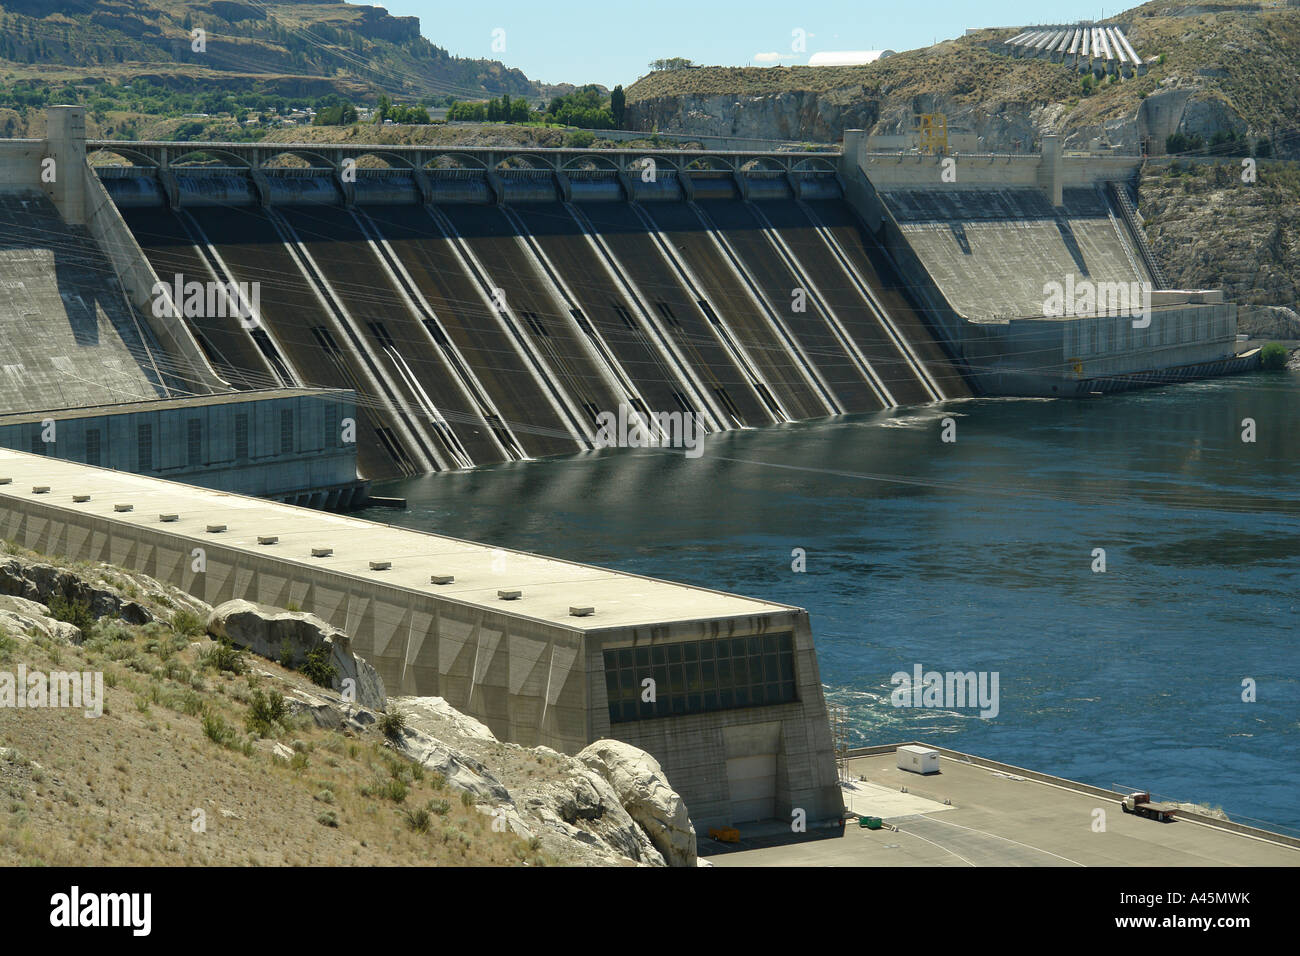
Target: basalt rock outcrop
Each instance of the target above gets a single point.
(105, 590)
(643, 790)
(289, 637)
(21, 616)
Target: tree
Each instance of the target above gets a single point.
(1182, 143)
(672, 63)
(382, 110)
(1273, 356)
(343, 114)
(467, 112)
(618, 105)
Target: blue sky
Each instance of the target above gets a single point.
(612, 42)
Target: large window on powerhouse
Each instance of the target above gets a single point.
(700, 676)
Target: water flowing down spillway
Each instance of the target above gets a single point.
(481, 333)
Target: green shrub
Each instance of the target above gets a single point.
(392, 723)
(466, 799)
(185, 702)
(318, 668)
(223, 656)
(113, 632)
(388, 788)
(216, 729)
(188, 623)
(265, 713)
(1273, 356)
(440, 807)
(74, 612)
(7, 645)
(328, 819)
(418, 820)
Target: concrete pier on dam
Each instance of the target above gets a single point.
(488, 305)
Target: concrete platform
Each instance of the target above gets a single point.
(549, 586)
(997, 819)
(877, 800)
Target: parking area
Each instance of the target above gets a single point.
(968, 815)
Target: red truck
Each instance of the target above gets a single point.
(1140, 803)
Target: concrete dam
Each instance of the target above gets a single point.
(486, 314)
(468, 306)
(187, 336)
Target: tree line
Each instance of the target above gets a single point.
(586, 107)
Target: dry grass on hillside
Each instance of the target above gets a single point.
(122, 789)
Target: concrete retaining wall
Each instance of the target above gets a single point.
(698, 746)
(82, 200)
(20, 164)
(1033, 355)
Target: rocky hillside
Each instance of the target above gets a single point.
(104, 52)
(1209, 229)
(1218, 66)
(244, 735)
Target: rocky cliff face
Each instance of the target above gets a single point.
(1211, 230)
(794, 115)
(1002, 125)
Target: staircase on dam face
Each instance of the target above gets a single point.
(1128, 209)
(68, 337)
(478, 332)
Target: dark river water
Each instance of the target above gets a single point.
(978, 555)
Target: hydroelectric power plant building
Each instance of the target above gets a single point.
(369, 312)
(545, 652)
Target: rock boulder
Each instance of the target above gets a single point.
(643, 791)
(273, 633)
(20, 616)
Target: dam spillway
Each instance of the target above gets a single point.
(498, 320)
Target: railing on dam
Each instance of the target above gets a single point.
(256, 155)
